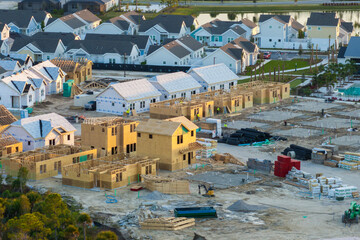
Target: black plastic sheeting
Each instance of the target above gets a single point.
(249, 136)
(301, 153)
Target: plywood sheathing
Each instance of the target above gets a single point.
(111, 135)
(166, 185)
(6, 117)
(79, 71)
(169, 224)
(108, 174)
(47, 161)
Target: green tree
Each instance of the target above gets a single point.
(34, 197)
(301, 34)
(2, 214)
(85, 220)
(1, 179)
(24, 203)
(300, 50)
(9, 179)
(231, 16)
(106, 235)
(23, 177)
(27, 226)
(72, 232)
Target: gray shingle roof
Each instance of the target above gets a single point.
(283, 18)
(176, 49)
(21, 18)
(2, 70)
(341, 53)
(353, 49)
(347, 26)
(139, 40)
(72, 21)
(245, 44)
(66, 38)
(232, 50)
(44, 44)
(218, 27)
(248, 23)
(87, 16)
(322, 19)
(122, 24)
(153, 48)
(134, 17)
(176, 19)
(171, 23)
(190, 42)
(96, 47)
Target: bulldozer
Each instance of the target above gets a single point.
(352, 215)
(209, 191)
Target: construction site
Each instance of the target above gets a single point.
(249, 163)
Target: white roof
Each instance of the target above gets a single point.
(137, 89)
(47, 70)
(18, 81)
(48, 123)
(175, 82)
(9, 65)
(213, 74)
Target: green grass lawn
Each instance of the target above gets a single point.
(288, 65)
(295, 83)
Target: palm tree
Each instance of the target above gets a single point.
(85, 220)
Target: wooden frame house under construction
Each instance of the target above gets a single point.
(79, 71)
(108, 172)
(47, 161)
(110, 135)
(6, 118)
(9, 145)
(166, 185)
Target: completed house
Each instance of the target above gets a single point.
(77, 23)
(237, 55)
(352, 51)
(214, 77)
(114, 26)
(142, 42)
(172, 140)
(111, 52)
(161, 28)
(26, 22)
(346, 30)
(279, 31)
(175, 85)
(179, 52)
(45, 5)
(22, 90)
(134, 19)
(95, 6)
(218, 33)
(124, 97)
(42, 130)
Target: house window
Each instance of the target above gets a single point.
(76, 159)
(142, 104)
(184, 157)
(230, 39)
(118, 177)
(230, 65)
(132, 127)
(103, 129)
(221, 86)
(132, 106)
(212, 88)
(113, 104)
(164, 62)
(309, 28)
(52, 142)
(175, 63)
(279, 40)
(319, 28)
(192, 133)
(30, 98)
(48, 57)
(17, 149)
(139, 135)
(69, 137)
(180, 139)
(270, 40)
(42, 92)
(216, 39)
(150, 136)
(29, 143)
(112, 131)
(43, 168)
(286, 89)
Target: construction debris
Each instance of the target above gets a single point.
(166, 185)
(241, 206)
(167, 224)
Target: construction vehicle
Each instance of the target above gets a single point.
(209, 191)
(352, 215)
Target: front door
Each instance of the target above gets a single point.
(15, 102)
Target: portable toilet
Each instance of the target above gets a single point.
(67, 88)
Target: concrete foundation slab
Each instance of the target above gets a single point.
(247, 124)
(275, 116)
(332, 123)
(354, 113)
(298, 132)
(312, 106)
(350, 140)
(223, 180)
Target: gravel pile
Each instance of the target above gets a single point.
(241, 206)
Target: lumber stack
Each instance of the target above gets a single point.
(166, 185)
(167, 224)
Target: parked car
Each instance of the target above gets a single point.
(90, 106)
(329, 100)
(267, 55)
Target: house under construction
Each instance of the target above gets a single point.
(6, 118)
(47, 161)
(9, 145)
(79, 71)
(108, 172)
(110, 135)
(194, 109)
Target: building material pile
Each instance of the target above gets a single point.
(209, 148)
(247, 136)
(351, 161)
(166, 185)
(320, 155)
(332, 187)
(298, 152)
(284, 164)
(169, 224)
(259, 164)
(211, 128)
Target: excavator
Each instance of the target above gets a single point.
(352, 215)
(209, 191)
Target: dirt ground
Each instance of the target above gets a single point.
(290, 214)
